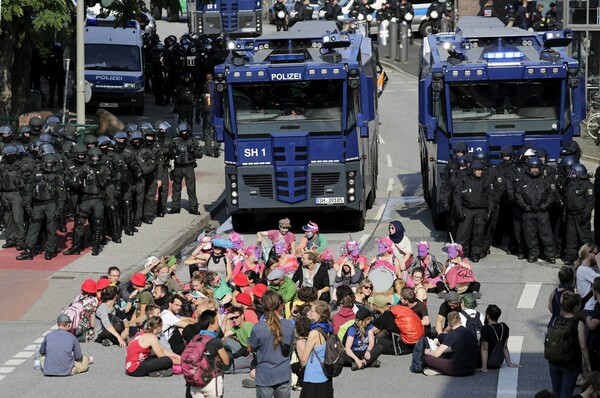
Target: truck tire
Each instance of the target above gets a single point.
(157, 13)
(242, 222)
(139, 110)
(438, 218)
(426, 28)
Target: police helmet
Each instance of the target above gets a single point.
(6, 131)
(104, 141)
(525, 153)
(507, 150)
(183, 128)
(145, 127)
(136, 136)
(542, 153)
(94, 156)
(131, 127)
(468, 157)
(36, 124)
(46, 148)
(52, 119)
(170, 41)
(50, 162)
(79, 152)
(187, 77)
(460, 147)
(10, 153)
(578, 171)
(149, 134)
(510, 7)
(462, 162)
(59, 131)
(477, 164)
(534, 163)
(570, 148)
(25, 130)
(121, 135)
(159, 47)
(21, 149)
(46, 137)
(90, 140)
(480, 154)
(565, 162)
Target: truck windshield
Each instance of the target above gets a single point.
(524, 104)
(306, 106)
(112, 57)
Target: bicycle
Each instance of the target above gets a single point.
(592, 121)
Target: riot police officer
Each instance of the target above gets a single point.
(6, 136)
(167, 154)
(73, 189)
(93, 179)
(125, 162)
(12, 187)
(113, 189)
(210, 149)
(43, 199)
(332, 10)
(473, 198)
(446, 195)
(152, 153)
(502, 210)
(187, 150)
(538, 22)
(535, 194)
(579, 203)
(405, 11)
(281, 15)
(185, 99)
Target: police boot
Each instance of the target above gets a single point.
(115, 224)
(26, 255)
(77, 245)
(160, 212)
(61, 217)
(128, 218)
(97, 236)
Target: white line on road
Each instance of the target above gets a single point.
(24, 354)
(39, 341)
(31, 347)
(362, 240)
(389, 160)
(508, 378)
(381, 140)
(380, 212)
(6, 369)
(390, 184)
(529, 295)
(14, 362)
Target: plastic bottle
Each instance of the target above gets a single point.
(37, 362)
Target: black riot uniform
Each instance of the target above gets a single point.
(93, 179)
(403, 9)
(459, 149)
(332, 10)
(126, 164)
(73, 169)
(157, 61)
(535, 194)
(152, 154)
(210, 147)
(141, 167)
(473, 198)
(579, 203)
(558, 208)
(281, 23)
(187, 150)
(167, 153)
(113, 189)
(44, 194)
(12, 187)
(184, 98)
(502, 213)
(447, 194)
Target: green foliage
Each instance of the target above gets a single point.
(125, 10)
(46, 13)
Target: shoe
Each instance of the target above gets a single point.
(161, 373)
(174, 210)
(375, 364)
(73, 251)
(532, 259)
(520, 256)
(567, 261)
(354, 366)
(297, 387)
(147, 220)
(194, 212)
(106, 343)
(551, 261)
(20, 246)
(8, 245)
(137, 224)
(129, 232)
(96, 250)
(26, 255)
(49, 256)
(431, 372)
(475, 259)
(488, 251)
(116, 240)
(248, 383)
(160, 213)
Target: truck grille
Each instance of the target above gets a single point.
(263, 182)
(318, 181)
(291, 185)
(300, 154)
(229, 16)
(212, 22)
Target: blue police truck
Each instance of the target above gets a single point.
(297, 112)
(234, 17)
(489, 86)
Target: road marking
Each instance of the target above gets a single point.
(6, 369)
(380, 140)
(39, 341)
(529, 295)
(24, 354)
(54, 327)
(380, 212)
(14, 362)
(390, 184)
(362, 240)
(389, 160)
(31, 347)
(508, 378)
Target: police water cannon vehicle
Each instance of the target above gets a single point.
(297, 113)
(489, 85)
(234, 17)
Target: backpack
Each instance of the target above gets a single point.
(558, 344)
(473, 324)
(333, 364)
(496, 356)
(75, 312)
(197, 371)
(416, 365)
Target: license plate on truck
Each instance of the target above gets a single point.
(109, 105)
(330, 201)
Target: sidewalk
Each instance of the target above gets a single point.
(39, 289)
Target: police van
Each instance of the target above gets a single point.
(114, 64)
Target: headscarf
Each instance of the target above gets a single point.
(397, 236)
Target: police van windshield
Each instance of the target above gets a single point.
(113, 57)
(525, 104)
(302, 106)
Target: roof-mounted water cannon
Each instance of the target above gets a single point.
(220, 82)
(336, 40)
(553, 39)
(454, 56)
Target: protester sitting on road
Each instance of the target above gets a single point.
(433, 279)
(316, 384)
(104, 330)
(345, 317)
(564, 373)
(142, 296)
(313, 274)
(493, 333)
(378, 304)
(468, 303)
(197, 260)
(398, 286)
(409, 299)
(360, 348)
(221, 291)
(87, 302)
(401, 244)
(193, 329)
(312, 240)
(364, 291)
(347, 274)
(387, 258)
(139, 362)
(250, 262)
(282, 234)
(282, 285)
(351, 254)
(452, 303)
(101, 284)
(61, 352)
(420, 290)
(306, 296)
(244, 301)
(173, 325)
(237, 252)
(236, 332)
(456, 355)
(459, 272)
(590, 387)
(585, 275)
(565, 278)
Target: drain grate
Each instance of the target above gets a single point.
(63, 277)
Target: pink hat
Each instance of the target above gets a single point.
(138, 279)
(243, 298)
(89, 286)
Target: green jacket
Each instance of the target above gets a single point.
(287, 289)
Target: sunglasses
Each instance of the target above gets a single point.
(368, 287)
(234, 317)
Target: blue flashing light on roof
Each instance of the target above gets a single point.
(504, 56)
(91, 22)
(294, 57)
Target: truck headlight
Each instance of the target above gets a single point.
(130, 86)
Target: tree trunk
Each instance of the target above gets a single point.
(15, 66)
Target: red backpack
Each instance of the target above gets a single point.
(197, 371)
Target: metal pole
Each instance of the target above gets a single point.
(66, 88)
(80, 64)
(403, 45)
(394, 39)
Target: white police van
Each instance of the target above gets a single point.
(114, 64)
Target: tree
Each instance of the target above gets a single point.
(20, 19)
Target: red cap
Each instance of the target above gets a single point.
(102, 284)
(138, 279)
(259, 290)
(89, 286)
(241, 280)
(243, 298)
